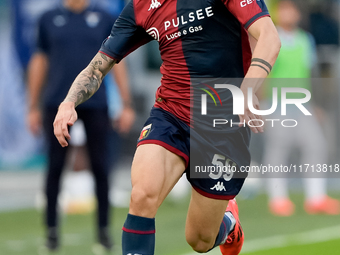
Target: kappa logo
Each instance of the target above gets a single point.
(154, 5)
(152, 31)
(145, 132)
(219, 186)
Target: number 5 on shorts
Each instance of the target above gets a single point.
(222, 167)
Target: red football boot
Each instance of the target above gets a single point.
(235, 239)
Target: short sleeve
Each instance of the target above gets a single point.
(125, 35)
(247, 11)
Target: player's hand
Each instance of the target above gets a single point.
(34, 120)
(65, 117)
(125, 121)
(252, 120)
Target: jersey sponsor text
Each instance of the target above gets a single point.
(244, 3)
(191, 17)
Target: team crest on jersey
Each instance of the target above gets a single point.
(145, 132)
(152, 31)
(154, 5)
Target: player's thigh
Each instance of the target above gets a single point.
(204, 218)
(155, 170)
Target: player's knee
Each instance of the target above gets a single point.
(144, 202)
(200, 244)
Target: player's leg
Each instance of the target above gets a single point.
(155, 170)
(96, 123)
(209, 224)
(204, 219)
(56, 160)
(211, 220)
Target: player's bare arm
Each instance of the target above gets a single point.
(83, 87)
(266, 50)
(264, 56)
(89, 80)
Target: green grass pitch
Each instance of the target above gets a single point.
(21, 232)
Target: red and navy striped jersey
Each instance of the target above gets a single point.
(197, 39)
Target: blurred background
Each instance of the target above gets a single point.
(23, 158)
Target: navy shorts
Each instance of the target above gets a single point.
(202, 153)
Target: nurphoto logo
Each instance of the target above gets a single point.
(239, 104)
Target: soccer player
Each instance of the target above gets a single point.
(68, 37)
(197, 39)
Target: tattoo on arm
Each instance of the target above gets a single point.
(103, 56)
(89, 80)
(261, 67)
(264, 62)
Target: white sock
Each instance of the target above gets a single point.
(233, 220)
(233, 223)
